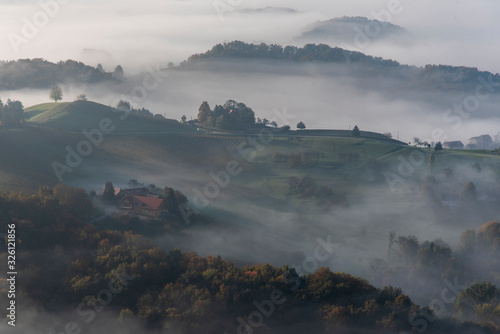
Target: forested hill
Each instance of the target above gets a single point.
(442, 77)
(137, 282)
(308, 53)
(346, 29)
(40, 73)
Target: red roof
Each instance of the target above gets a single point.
(152, 203)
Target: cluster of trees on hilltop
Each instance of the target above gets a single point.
(11, 114)
(127, 107)
(40, 73)
(230, 116)
(183, 291)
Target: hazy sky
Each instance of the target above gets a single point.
(136, 33)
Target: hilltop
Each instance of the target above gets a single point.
(79, 115)
(368, 69)
(351, 29)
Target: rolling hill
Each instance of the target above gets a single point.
(155, 148)
(80, 115)
(351, 29)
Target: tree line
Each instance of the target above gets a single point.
(40, 73)
(11, 113)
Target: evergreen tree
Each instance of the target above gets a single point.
(355, 131)
(109, 192)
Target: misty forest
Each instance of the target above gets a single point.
(245, 167)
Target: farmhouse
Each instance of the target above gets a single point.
(483, 142)
(150, 206)
(453, 144)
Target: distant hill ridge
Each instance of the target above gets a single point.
(346, 28)
(430, 77)
(40, 73)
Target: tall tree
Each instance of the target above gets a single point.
(301, 125)
(469, 193)
(392, 236)
(118, 73)
(109, 192)
(56, 93)
(204, 112)
(355, 131)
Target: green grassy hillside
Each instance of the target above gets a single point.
(142, 147)
(43, 111)
(80, 115)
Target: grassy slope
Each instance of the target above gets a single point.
(81, 115)
(41, 112)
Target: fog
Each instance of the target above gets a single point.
(154, 31)
(256, 225)
(322, 96)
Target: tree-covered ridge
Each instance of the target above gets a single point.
(442, 77)
(40, 73)
(183, 291)
(310, 52)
